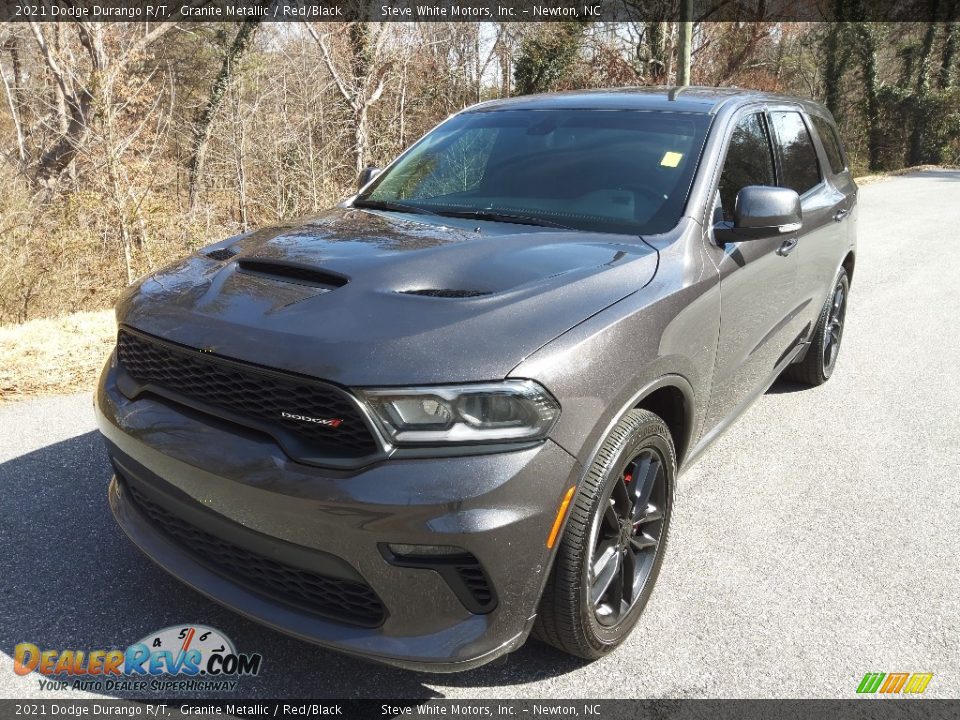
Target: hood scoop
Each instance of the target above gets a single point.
(292, 273)
(222, 254)
(446, 293)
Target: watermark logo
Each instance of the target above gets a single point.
(196, 656)
(894, 683)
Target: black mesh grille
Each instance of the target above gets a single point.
(343, 600)
(245, 392)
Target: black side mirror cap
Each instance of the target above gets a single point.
(368, 174)
(760, 212)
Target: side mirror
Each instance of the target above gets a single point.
(761, 212)
(368, 174)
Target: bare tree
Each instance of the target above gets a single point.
(82, 88)
(362, 83)
(201, 127)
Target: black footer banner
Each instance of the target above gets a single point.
(854, 709)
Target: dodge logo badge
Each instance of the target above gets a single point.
(330, 422)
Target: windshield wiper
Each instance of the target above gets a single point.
(391, 206)
(495, 216)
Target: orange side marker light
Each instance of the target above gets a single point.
(561, 513)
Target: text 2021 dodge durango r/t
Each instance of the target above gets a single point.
(450, 412)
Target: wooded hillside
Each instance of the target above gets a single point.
(126, 145)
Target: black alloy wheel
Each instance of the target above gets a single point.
(820, 360)
(834, 330)
(626, 536)
(614, 540)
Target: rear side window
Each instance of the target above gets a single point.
(800, 169)
(749, 161)
(831, 143)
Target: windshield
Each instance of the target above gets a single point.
(596, 170)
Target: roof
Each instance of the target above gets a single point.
(679, 99)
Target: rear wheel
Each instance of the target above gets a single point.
(613, 545)
(821, 359)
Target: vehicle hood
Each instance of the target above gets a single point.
(536, 282)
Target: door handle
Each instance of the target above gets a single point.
(787, 246)
(840, 214)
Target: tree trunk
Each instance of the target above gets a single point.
(12, 103)
(686, 43)
(359, 37)
(59, 156)
(126, 241)
(479, 63)
(59, 98)
(360, 138)
(506, 71)
(868, 52)
(203, 123)
(656, 51)
(950, 45)
(18, 108)
(239, 159)
(917, 154)
(402, 115)
(834, 68)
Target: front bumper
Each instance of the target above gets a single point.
(238, 485)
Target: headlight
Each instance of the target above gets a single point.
(489, 412)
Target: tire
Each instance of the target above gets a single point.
(820, 361)
(573, 617)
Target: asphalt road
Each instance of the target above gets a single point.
(819, 539)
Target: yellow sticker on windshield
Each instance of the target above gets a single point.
(671, 159)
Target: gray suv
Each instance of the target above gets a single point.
(451, 412)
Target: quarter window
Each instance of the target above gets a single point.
(749, 161)
(801, 171)
(831, 143)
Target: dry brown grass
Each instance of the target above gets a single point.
(52, 356)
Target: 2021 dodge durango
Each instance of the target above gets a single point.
(450, 412)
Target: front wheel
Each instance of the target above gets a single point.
(821, 359)
(613, 545)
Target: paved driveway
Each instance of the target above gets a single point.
(819, 539)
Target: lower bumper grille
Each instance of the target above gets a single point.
(461, 571)
(342, 600)
(476, 582)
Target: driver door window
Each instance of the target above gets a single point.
(749, 161)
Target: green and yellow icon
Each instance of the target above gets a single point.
(902, 683)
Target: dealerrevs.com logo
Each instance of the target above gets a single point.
(178, 658)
